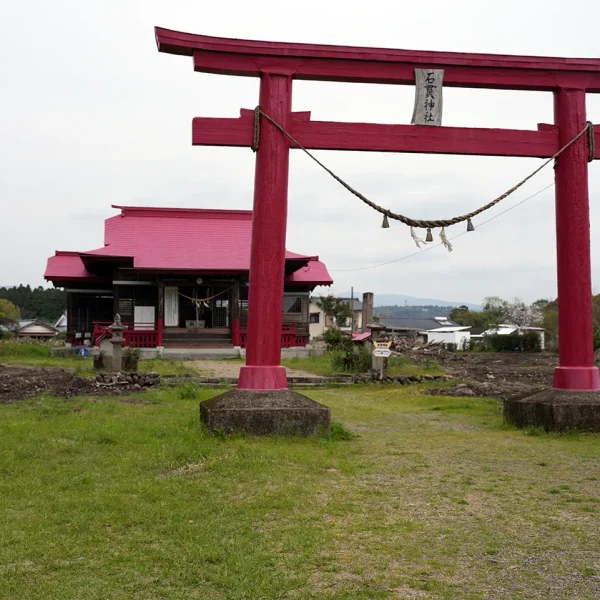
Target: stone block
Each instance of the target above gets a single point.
(277, 412)
(555, 410)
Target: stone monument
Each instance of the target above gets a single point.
(117, 340)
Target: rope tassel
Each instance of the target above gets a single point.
(445, 240)
(385, 223)
(470, 225)
(429, 236)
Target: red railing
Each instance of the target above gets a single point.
(289, 336)
(149, 335)
(139, 335)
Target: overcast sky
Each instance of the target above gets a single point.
(93, 115)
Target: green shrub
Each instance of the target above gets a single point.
(355, 360)
(131, 356)
(336, 340)
(339, 432)
(514, 342)
(187, 391)
(7, 335)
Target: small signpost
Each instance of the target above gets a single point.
(381, 350)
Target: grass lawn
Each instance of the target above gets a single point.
(434, 499)
(322, 365)
(38, 355)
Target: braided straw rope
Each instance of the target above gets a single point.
(424, 224)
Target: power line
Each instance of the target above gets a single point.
(452, 238)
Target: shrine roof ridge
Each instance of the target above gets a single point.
(181, 43)
(190, 213)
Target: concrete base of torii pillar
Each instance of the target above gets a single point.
(272, 412)
(556, 410)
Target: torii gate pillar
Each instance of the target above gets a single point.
(267, 262)
(576, 371)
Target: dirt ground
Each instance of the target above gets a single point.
(18, 382)
(228, 368)
(496, 375)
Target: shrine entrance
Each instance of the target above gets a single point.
(273, 129)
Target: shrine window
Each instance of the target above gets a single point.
(292, 304)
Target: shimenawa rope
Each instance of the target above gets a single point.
(200, 300)
(423, 224)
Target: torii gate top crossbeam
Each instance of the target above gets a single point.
(379, 65)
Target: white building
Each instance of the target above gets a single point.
(319, 322)
(316, 321)
(61, 324)
(458, 335)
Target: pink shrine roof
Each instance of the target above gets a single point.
(179, 239)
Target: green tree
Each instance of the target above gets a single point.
(338, 309)
(538, 309)
(38, 303)
(459, 314)
(497, 309)
(9, 313)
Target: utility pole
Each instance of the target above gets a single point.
(352, 309)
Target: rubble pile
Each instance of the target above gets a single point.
(409, 347)
(401, 379)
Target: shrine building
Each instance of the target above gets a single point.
(178, 277)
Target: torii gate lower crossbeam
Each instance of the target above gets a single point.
(278, 64)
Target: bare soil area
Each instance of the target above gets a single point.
(496, 375)
(18, 382)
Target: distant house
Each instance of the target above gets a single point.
(357, 308)
(416, 328)
(319, 322)
(508, 329)
(36, 330)
(457, 335)
(61, 324)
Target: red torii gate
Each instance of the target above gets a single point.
(278, 64)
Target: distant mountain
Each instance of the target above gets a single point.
(400, 300)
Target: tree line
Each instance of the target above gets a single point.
(413, 312)
(497, 311)
(541, 313)
(25, 302)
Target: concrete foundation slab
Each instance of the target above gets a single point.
(556, 410)
(200, 353)
(265, 413)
